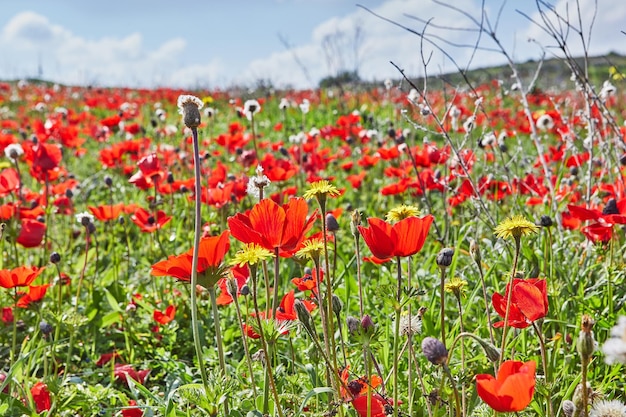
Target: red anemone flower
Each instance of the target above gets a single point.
(513, 388)
(22, 276)
(147, 222)
(31, 233)
(41, 396)
(35, 293)
(529, 302)
(286, 311)
(211, 255)
(168, 316)
(272, 226)
(108, 212)
(404, 238)
(122, 372)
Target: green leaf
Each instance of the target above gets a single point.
(314, 392)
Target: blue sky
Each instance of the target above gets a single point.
(220, 43)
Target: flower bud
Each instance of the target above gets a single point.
(546, 221)
(353, 325)
(355, 220)
(189, 106)
(444, 257)
(474, 251)
(231, 287)
(336, 304)
(303, 315)
(586, 344)
(434, 350)
(245, 290)
(331, 223)
(45, 327)
(568, 408)
(55, 258)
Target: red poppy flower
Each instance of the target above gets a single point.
(273, 226)
(286, 310)
(211, 255)
(513, 388)
(168, 316)
(35, 293)
(529, 302)
(41, 396)
(22, 276)
(106, 358)
(108, 212)
(43, 158)
(241, 274)
(9, 181)
(404, 238)
(150, 172)
(122, 372)
(146, 221)
(31, 233)
(132, 411)
(308, 282)
(7, 315)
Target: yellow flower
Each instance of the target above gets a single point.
(319, 189)
(455, 286)
(402, 212)
(312, 249)
(251, 254)
(515, 226)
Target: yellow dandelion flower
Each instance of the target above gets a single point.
(319, 189)
(312, 249)
(251, 254)
(515, 226)
(456, 286)
(402, 212)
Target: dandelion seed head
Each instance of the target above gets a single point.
(608, 408)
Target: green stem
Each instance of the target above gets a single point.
(269, 375)
(544, 360)
(442, 314)
(455, 391)
(194, 261)
(245, 344)
(508, 300)
(218, 339)
(396, 338)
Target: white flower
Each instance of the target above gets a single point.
(608, 89)
(209, 112)
(250, 108)
(84, 218)
(606, 408)
(284, 104)
(257, 183)
(13, 151)
(388, 84)
(413, 96)
(545, 122)
(305, 106)
(468, 125)
(615, 347)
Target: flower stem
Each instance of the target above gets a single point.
(218, 339)
(442, 314)
(544, 360)
(194, 261)
(508, 299)
(396, 338)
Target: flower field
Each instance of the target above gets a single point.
(390, 251)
